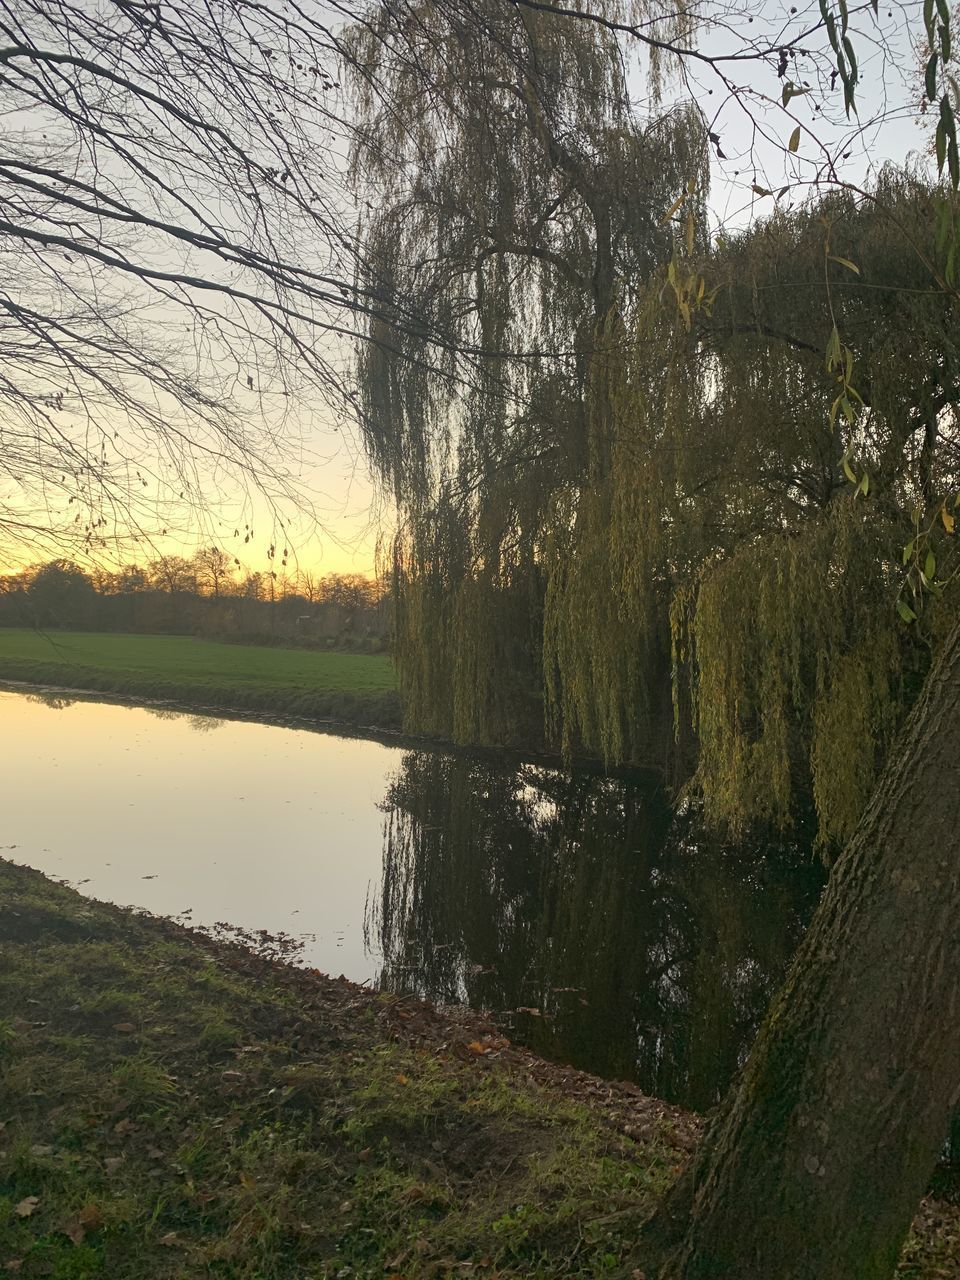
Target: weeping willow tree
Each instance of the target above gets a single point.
(627, 524)
(792, 528)
(516, 190)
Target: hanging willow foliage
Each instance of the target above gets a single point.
(776, 576)
(626, 524)
(515, 191)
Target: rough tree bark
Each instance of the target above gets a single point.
(814, 1165)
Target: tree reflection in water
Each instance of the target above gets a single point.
(649, 951)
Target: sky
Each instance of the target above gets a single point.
(336, 525)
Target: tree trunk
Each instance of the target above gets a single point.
(815, 1163)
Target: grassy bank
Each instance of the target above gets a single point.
(356, 689)
(176, 1107)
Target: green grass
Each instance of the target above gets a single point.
(172, 1107)
(175, 1107)
(355, 688)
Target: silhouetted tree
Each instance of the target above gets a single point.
(214, 570)
(61, 594)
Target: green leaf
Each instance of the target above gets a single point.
(864, 485)
(832, 33)
(930, 566)
(848, 471)
(930, 78)
(908, 551)
(794, 142)
(944, 219)
(854, 74)
(941, 148)
(905, 612)
(945, 43)
(928, 19)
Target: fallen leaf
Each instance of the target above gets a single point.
(74, 1229)
(27, 1206)
(124, 1026)
(402, 1079)
(14, 1264)
(112, 1163)
(170, 1240)
(91, 1217)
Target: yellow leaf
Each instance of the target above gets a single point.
(844, 262)
(673, 209)
(794, 142)
(949, 521)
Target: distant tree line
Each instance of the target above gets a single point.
(203, 595)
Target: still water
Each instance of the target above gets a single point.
(604, 930)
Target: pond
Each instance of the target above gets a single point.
(601, 928)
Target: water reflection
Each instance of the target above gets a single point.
(255, 825)
(198, 723)
(55, 701)
(647, 951)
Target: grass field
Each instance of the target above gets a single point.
(354, 688)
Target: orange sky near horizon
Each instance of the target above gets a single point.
(332, 525)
